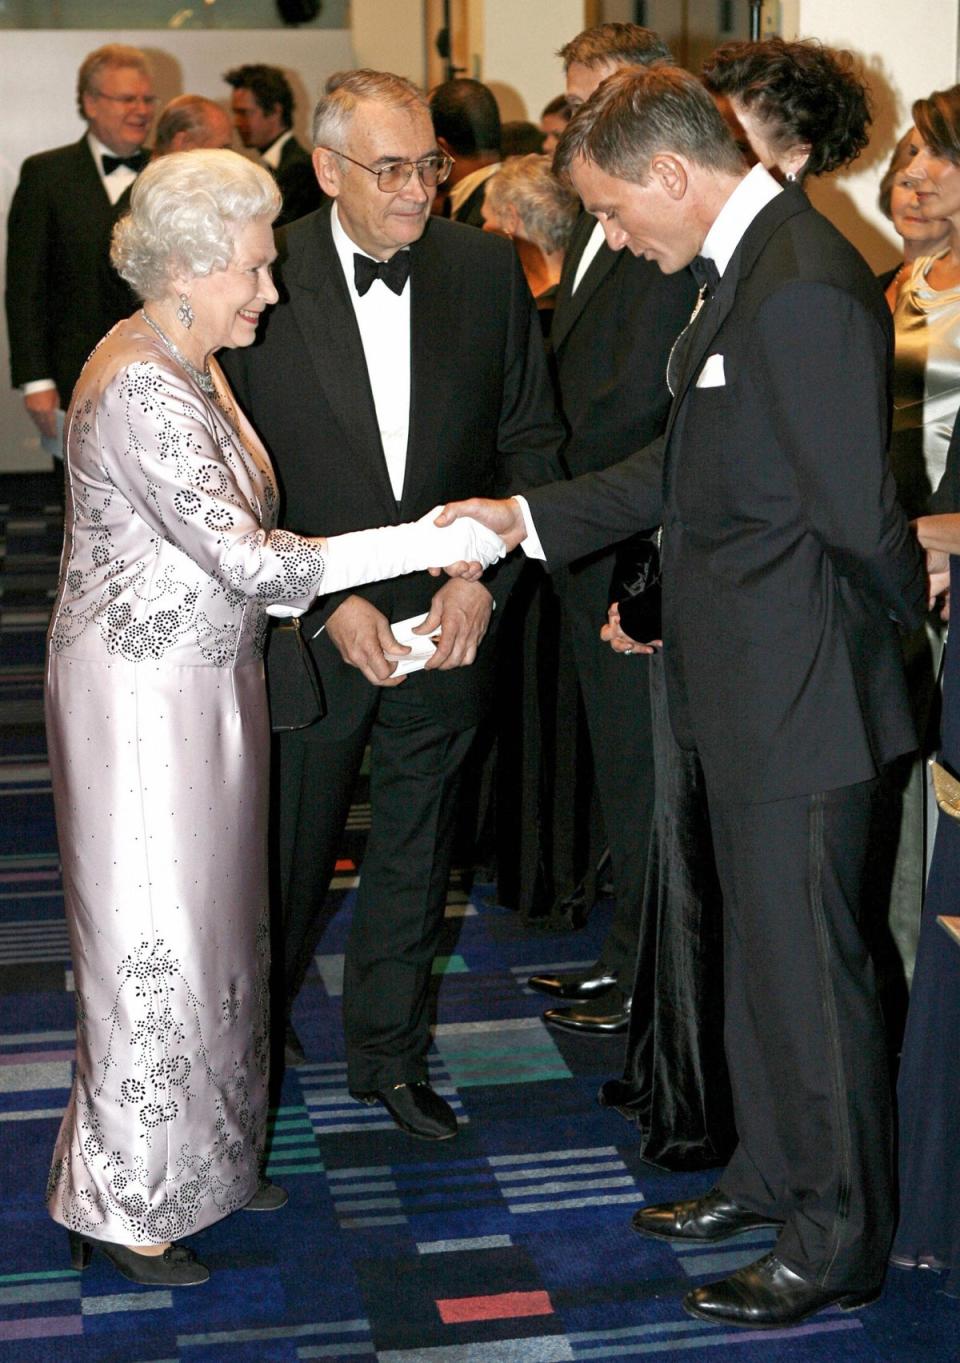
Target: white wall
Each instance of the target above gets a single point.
(520, 39)
(908, 50)
(388, 35)
(37, 84)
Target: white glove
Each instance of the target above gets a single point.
(392, 550)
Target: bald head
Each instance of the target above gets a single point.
(191, 121)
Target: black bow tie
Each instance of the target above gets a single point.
(135, 162)
(705, 272)
(394, 272)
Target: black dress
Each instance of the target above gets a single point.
(928, 1091)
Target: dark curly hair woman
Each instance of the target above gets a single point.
(800, 107)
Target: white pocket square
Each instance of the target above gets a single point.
(711, 375)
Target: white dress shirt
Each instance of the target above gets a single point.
(383, 318)
(752, 194)
(271, 157)
(594, 242)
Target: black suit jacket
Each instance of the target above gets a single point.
(610, 341)
(62, 293)
(482, 419)
(787, 561)
(297, 182)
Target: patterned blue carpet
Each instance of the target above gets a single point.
(511, 1244)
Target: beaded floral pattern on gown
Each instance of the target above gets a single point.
(158, 737)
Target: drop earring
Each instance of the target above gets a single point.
(185, 313)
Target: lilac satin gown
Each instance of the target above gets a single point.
(158, 738)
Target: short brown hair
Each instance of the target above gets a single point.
(624, 44)
(937, 120)
(109, 57)
(637, 113)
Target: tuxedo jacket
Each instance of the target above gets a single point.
(787, 560)
(297, 182)
(482, 420)
(62, 293)
(610, 341)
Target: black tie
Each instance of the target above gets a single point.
(705, 272)
(136, 162)
(394, 272)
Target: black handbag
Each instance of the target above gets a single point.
(293, 684)
(635, 584)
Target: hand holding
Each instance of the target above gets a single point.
(504, 518)
(938, 579)
(612, 634)
(362, 636)
(461, 612)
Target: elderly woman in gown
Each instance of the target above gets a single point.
(158, 729)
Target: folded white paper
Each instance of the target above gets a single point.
(422, 647)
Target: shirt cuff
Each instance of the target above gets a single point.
(531, 546)
(37, 386)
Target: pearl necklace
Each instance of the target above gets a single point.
(201, 377)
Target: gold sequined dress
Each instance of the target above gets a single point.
(158, 738)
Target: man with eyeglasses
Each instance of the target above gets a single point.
(62, 293)
(404, 361)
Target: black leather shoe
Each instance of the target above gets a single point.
(177, 1266)
(767, 1295)
(715, 1216)
(269, 1197)
(416, 1109)
(293, 1052)
(592, 1021)
(576, 984)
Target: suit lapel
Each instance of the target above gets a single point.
(436, 362)
(786, 204)
(88, 188)
(571, 304)
(328, 324)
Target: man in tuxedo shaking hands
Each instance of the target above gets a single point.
(788, 566)
(403, 363)
(62, 293)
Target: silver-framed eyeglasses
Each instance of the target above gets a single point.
(128, 101)
(432, 170)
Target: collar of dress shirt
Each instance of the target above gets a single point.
(271, 157)
(346, 248)
(117, 181)
(752, 194)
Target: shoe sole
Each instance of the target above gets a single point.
(702, 1240)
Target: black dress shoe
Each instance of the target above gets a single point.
(416, 1109)
(293, 1052)
(767, 1295)
(269, 1197)
(177, 1266)
(593, 1021)
(576, 984)
(715, 1216)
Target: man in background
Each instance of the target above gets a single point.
(190, 122)
(467, 123)
(616, 318)
(262, 105)
(62, 293)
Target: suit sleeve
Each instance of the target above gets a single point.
(599, 509)
(29, 231)
(824, 360)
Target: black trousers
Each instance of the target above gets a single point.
(616, 698)
(414, 774)
(803, 1032)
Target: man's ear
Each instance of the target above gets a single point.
(670, 172)
(326, 167)
(445, 147)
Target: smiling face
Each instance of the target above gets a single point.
(651, 220)
(935, 180)
(120, 109)
(378, 135)
(228, 304)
